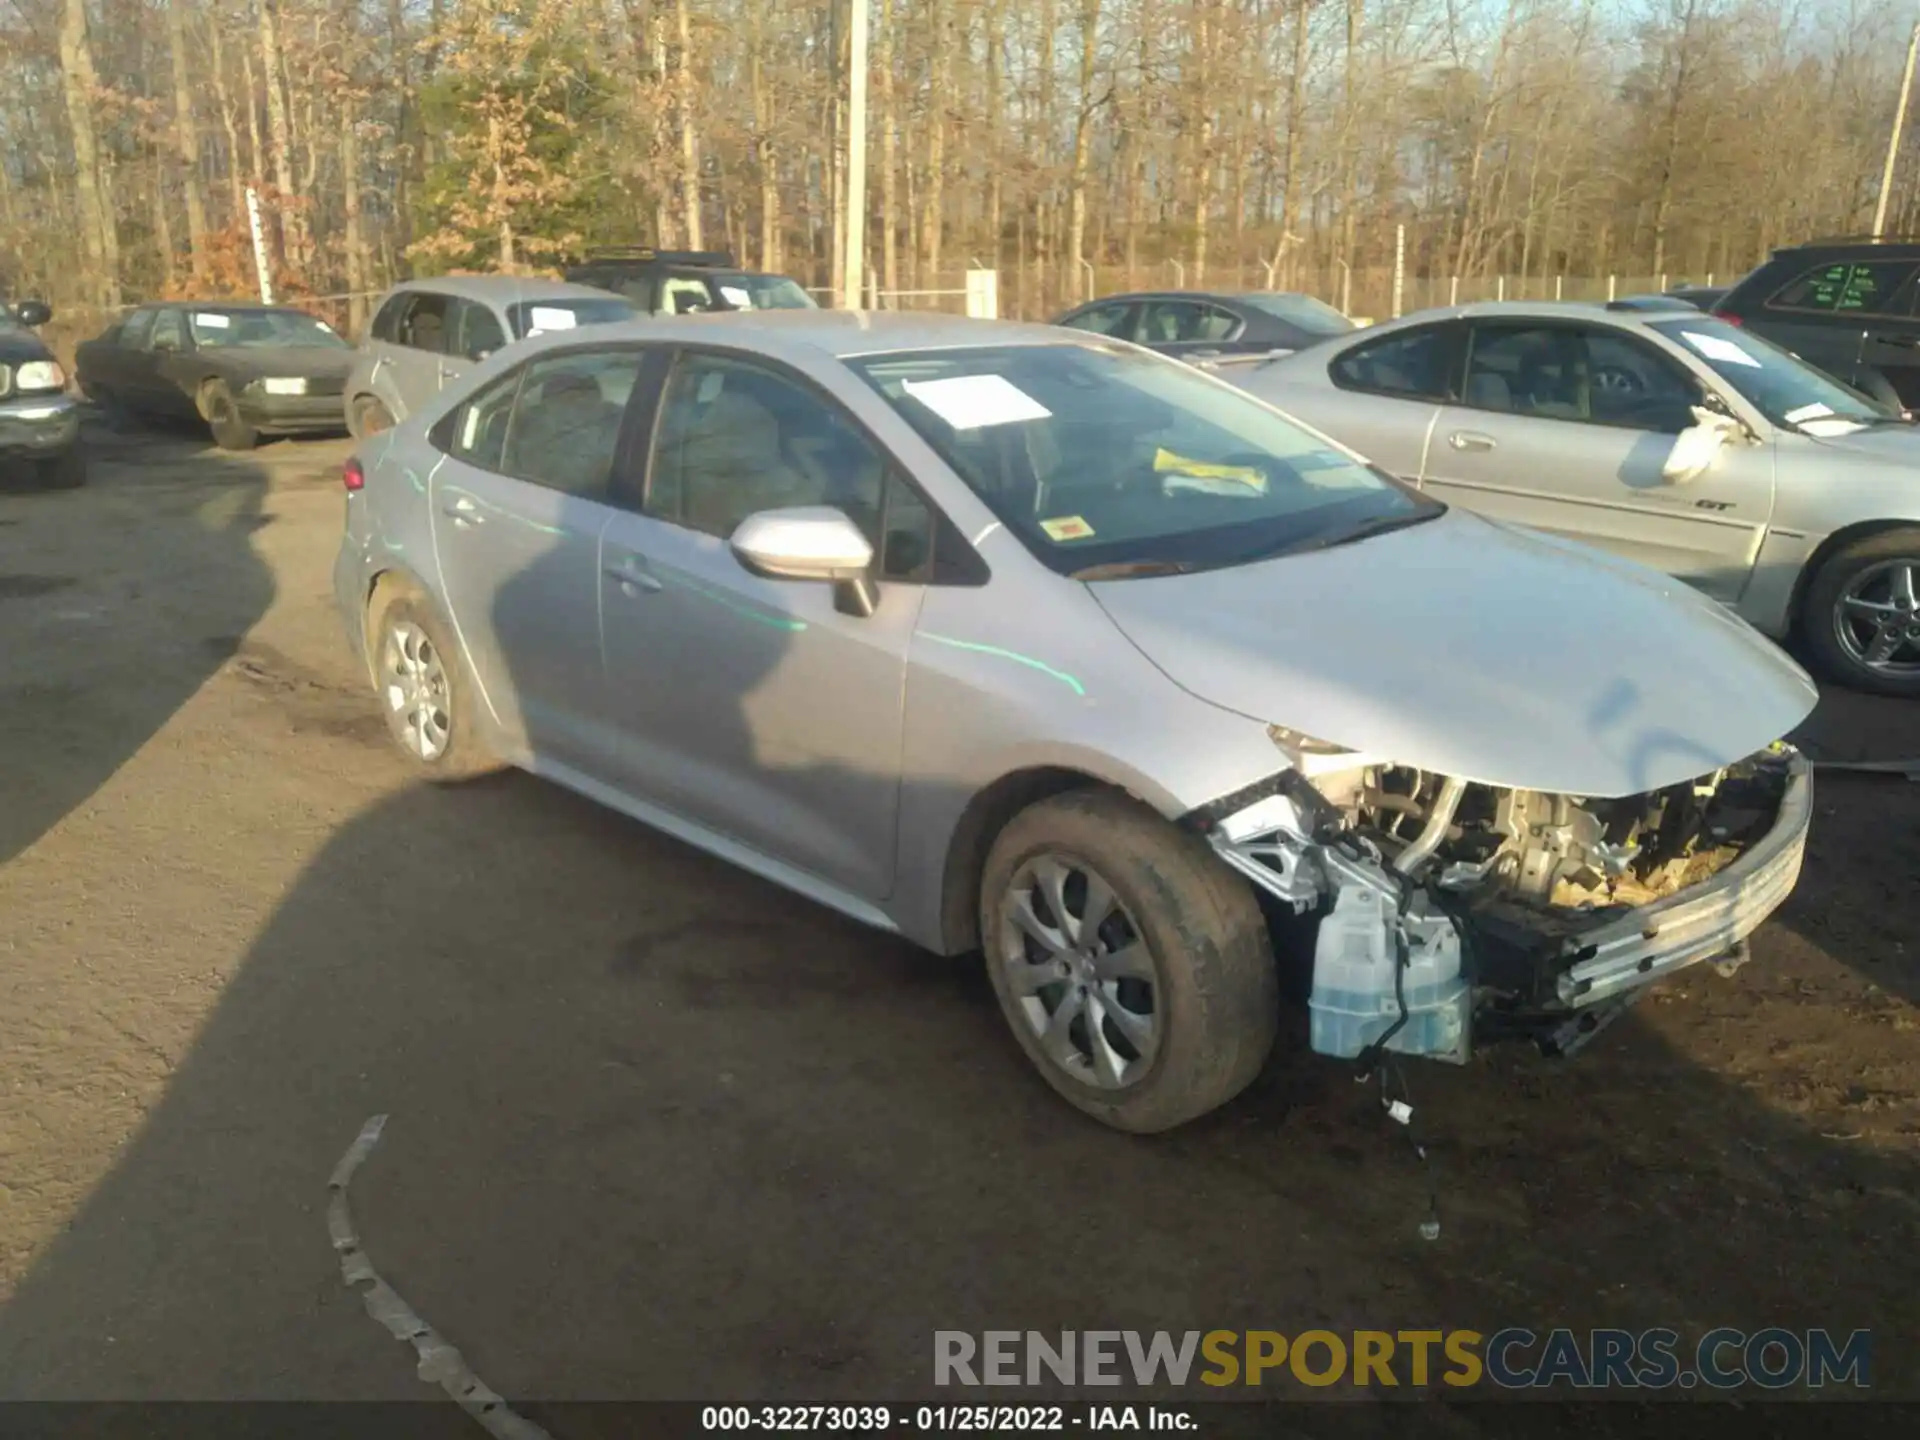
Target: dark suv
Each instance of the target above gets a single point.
(681, 282)
(1850, 306)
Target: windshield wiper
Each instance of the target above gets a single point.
(1361, 530)
(1126, 569)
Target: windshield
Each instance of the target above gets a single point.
(259, 329)
(1105, 460)
(533, 317)
(763, 292)
(1786, 390)
(1309, 314)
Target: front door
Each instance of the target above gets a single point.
(751, 706)
(518, 509)
(1564, 428)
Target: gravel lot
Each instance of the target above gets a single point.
(661, 1130)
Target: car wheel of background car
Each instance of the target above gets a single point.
(368, 416)
(1133, 966)
(1862, 615)
(424, 689)
(66, 471)
(222, 414)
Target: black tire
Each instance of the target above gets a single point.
(1822, 616)
(65, 471)
(368, 416)
(1215, 996)
(465, 753)
(222, 414)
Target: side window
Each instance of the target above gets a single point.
(1572, 373)
(1104, 320)
(1214, 324)
(424, 325)
(680, 295)
(386, 325)
(1411, 364)
(734, 438)
(1865, 288)
(478, 434)
(139, 325)
(1166, 322)
(169, 331)
(480, 333)
(566, 420)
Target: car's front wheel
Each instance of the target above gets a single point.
(1862, 616)
(1134, 968)
(424, 690)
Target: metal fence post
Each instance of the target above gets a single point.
(1399, 267)
(1610, 290)
(1453, 289)
(1557, 282)
(1500, 287)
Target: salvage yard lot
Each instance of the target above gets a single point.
(661, 1130)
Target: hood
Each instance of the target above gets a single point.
(252, 361)
(20, 346)
(1898, 444)
(1478, 651)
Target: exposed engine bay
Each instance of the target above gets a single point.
(1451, 913)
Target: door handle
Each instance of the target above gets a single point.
(1470, 440)
(462, 509)
(633, 576)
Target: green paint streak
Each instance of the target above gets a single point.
(762, 617)
(1013, 655)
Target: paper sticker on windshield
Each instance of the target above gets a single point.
(1716, 348)
(1808, 412)
(1201, 477)
(545, 317)
(1066, 527)
(734, 295)
(972, 402)
(1321, 460)
(213, 322)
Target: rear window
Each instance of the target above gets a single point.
(1861, 287)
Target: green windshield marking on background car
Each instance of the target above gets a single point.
(1014, 655)
(778, 622)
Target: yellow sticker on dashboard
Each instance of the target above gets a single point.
(1066, 527)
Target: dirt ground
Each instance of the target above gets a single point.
(661, 1130)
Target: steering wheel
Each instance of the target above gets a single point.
(1616, 380)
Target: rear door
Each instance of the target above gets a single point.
(1890, 346)
(518, 507)
(1385, 395)
(1564, 427)
(126, 365)
(1824, 313)
(166, 386)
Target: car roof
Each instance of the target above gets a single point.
(841, 334)
(1624, 316)
(503, 289)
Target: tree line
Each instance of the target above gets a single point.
(1077, 146)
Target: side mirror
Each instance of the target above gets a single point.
(33, 313)
(810, 542)
(1697, 447)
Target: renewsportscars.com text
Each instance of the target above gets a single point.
(1513, 1358)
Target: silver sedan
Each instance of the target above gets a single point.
(1675, 440)
(1014, 639)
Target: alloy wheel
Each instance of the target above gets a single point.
(1877, 618)
(413, 682)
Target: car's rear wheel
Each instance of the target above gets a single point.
(1134, 968)
(222, 414)
(1862, 615)
(368, 416)
(425, 692)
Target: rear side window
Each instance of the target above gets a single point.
(1846, 287)
(1104, 320)
(477, 433)
(386, 325)
(1412, 364)
(133, 334)
(566, 420)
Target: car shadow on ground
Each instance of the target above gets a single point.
(658, 1129)
(163, 523)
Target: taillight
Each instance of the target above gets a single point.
(1726, 319)
(352, 476)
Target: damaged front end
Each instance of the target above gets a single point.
(1452, 913)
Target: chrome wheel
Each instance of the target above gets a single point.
(413, 681)
(1877, 619)
(1080, 972)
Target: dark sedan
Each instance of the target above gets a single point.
(246, 370)
(1191, 325)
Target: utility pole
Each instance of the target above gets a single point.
(853, 283)
(1893, 140)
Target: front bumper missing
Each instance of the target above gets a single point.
(1593, 967)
